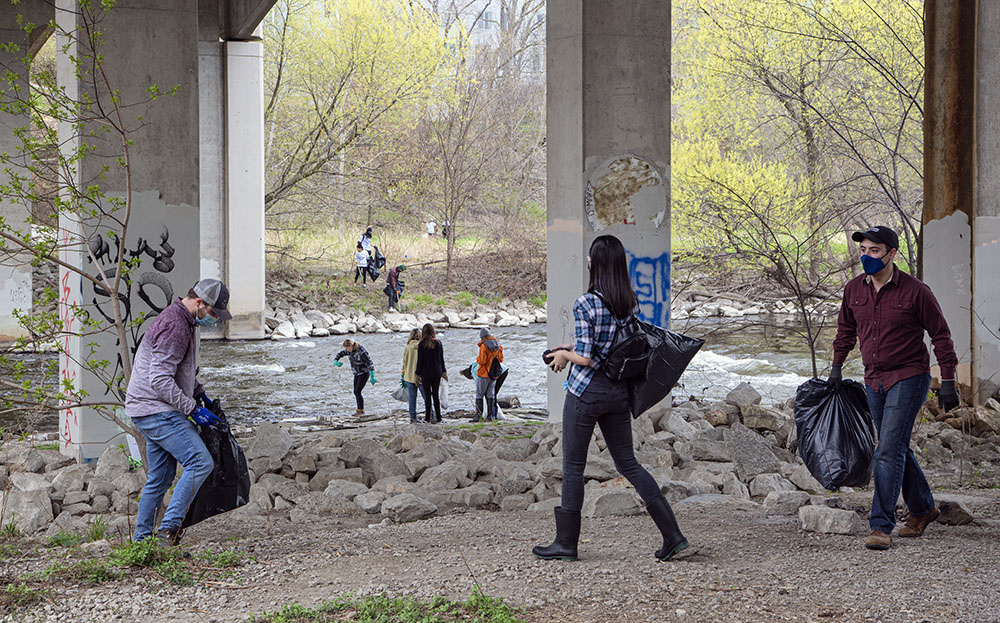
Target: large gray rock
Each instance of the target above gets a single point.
(517, 502)
(610, 501)
(742, 395)
(318, 319)
(762, 418)
(766, 483)
(72, 478)
(751, 454)
(381, 464)
(676, 424)
(284, 331)
(829, 520)
(304, 462)
(801, 478)
(30, 510)
(705, 450)
(512, 486)
(426, 455)
(954, 512)
(323, 476)
(446, 476)
(28, 481)
(33, 462)
(269, 440)
(517, 450)
(467, 497)
(785, 502)
(112, 464)
(100, 486)
(370, 502)
(407, 507)
(600, 469)
(345, 489)
(731, 485)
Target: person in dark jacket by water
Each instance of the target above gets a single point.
(361, 365)
(593, 398)
(430, 371)
(393, 286)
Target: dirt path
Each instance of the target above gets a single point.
(747, 569)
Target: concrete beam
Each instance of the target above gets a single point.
(243, 17)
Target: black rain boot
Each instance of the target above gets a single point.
(673, 540)
(567, 536)
(479, 410)
(491, 408)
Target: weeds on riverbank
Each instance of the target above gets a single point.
(479, 608)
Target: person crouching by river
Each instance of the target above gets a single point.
(410, 371)
(430, 370)
(593, 398)
(361, 365)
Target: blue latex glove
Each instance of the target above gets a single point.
(204, 417)
(371, 377)
(338, 362)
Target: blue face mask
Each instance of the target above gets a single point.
(207, 321)
(872, 265)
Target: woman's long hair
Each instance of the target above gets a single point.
(350, 344)
(609, 275)
(414, 335)
(427, 336)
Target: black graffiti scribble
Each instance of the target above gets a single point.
(147, 284)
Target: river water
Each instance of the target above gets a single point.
(260, 380)
(296, 378)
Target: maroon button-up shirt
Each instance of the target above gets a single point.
(890, 325)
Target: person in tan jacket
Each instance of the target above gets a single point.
(410, 371)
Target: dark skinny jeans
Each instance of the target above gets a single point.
(605, 404)
(360, 380)
(431, 389)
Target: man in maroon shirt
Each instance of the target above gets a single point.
(887, 311)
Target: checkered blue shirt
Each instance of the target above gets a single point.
(595, 331)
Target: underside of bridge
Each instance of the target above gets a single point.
(196, 166)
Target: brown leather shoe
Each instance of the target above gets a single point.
(878, 540)
(916, 524)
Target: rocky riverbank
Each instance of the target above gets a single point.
(735, 448)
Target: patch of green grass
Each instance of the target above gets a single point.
(88, 571)
(479, 608)
(224, 559)
(422, 298)
(175, 571)
(525, 436)
(65, 539)
(18, 595)
(48, 446)
(145, 553)
(98, 529)
(464, 298)
(539, 301)
(10, 529)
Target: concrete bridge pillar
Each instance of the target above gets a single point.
(961, 217)
(608, 151)
(144, 44)
(15, 269)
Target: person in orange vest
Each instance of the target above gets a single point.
(489, 360)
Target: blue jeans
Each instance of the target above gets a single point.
(170, 437)
(412, 388)
(605, 404)
(896, 469)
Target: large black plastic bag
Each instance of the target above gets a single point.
(228, 486)
(670, 355)
(835, 432)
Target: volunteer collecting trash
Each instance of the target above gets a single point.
(471, 373)
(363, 368)
(160, 400)
(887, 311)
(489, 360)
(409, 372)
(594, 398)
(430, 370)
(361, 266)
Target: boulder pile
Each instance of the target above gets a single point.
(732, 449)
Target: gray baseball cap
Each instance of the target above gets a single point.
(484, 333)
(216, 294)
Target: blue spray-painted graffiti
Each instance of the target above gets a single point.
(651, 280)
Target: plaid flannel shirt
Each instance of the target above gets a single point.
(595, 331)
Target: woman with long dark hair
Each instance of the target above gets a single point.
(410, 371)
(593, 398)
(430, 369)
(361, 365)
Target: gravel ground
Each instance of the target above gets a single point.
(746, 568)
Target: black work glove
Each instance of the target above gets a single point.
(836, 378)
(947, 396)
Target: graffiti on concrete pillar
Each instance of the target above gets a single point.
(650, 278)
(151, 287)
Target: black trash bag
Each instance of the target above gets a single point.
(835, 432)
(379, 259)
(373, 272)
(670, 355)
(228, 486)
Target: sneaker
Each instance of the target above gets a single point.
(916, 524)
(359, 412)
(878, 540)
(170, 537)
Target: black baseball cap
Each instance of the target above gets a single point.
(879, 233)
(216, 295)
